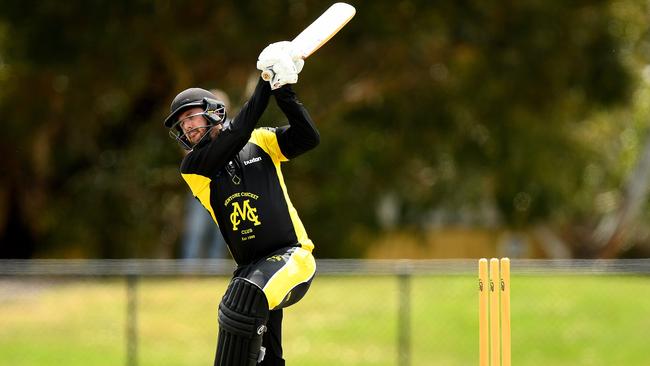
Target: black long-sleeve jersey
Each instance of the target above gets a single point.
(237, 176)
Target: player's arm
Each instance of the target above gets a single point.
(301, 134)
(233, 137)
(244, 123)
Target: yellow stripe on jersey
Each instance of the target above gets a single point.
(300, 267)
(200, 187)
(298, 227)
(266, 140)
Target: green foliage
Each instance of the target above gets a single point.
(445, 105)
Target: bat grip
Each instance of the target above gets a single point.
(267, 75)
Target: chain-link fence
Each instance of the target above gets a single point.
(358, 312)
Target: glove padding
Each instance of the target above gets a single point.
(281, 59)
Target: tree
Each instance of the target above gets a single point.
(439, 104)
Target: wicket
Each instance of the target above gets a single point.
(494, 312)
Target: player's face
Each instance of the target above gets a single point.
(193, 124)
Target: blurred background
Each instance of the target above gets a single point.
(449, 130)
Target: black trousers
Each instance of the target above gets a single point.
(272, 340)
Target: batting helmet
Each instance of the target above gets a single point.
(214, 109)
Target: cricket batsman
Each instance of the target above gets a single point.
(233, 169)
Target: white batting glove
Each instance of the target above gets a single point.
(279, 64)
(284, 72)
(277, 51)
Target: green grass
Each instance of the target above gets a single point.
(568, 320)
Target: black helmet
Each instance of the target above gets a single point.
(196, 97)
(214, 112)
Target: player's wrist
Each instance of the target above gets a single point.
(284, 90)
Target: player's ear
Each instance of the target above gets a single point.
(214, 131)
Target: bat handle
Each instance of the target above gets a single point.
(267, 75)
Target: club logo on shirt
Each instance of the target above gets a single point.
(243, 211)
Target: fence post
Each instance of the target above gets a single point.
(404, 316)
(131, 320)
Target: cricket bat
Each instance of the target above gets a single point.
(319, 32)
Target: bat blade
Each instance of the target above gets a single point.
(323, 28)
(319, 32)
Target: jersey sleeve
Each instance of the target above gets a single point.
(301, 134)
